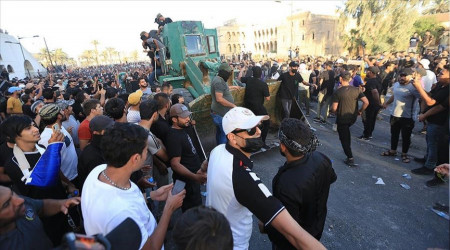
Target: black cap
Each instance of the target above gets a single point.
(100, 122)
(293, 64)
(407, 71)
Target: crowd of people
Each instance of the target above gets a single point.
(122, 133)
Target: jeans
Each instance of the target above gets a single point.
(345, 138)
(434, 134)
(369, 121)
(303, 97)
(286, 104)
(323, 101)
(221, 138)
(152, 77)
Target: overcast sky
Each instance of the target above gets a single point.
(72, 25)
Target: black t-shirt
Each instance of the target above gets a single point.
(440, 94)
(289, 85)
(27, 111)
(3, 105)
(161, 128)
(255, 93)
(29, 232)
(6, 153)
(303, 187)
(328, 82)
(347, 98)
(179, 144)
(371, 84)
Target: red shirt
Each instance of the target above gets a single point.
(84, 133)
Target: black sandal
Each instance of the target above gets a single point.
(389, 153)
(405, 158)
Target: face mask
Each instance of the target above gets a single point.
(293, 71)
(253, 145)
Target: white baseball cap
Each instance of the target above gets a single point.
(242, 118)
(425, 63)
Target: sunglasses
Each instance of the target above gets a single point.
(250, 131)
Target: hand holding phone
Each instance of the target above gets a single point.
(178, 187)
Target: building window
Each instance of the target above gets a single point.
(229, 48)
(228, 35)
(313, 35)
(303, 37)
(303, 22)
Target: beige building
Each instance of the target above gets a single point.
(312, 34)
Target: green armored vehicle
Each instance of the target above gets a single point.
(194, 61)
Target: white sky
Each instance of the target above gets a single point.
(72, 25)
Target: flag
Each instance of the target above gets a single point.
(46, 171)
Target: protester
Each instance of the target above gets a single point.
(222, 100)
(134, 99)
(184, 158)
(202, 228)
(91, 109)
(14, 106)
(20, 225)
(372, 92)
(256, 93)
(289, 87)
(236, 191)
(345, 104)
(302, 184)
(115, 108)
(325, 86)
(160, 128)
(405, 99)
(109, 197)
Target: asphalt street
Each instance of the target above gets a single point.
(361, 214)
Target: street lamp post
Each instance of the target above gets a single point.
(23, 55)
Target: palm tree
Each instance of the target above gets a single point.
(88, 56)
(135, 55)
(438, 6)
(104, 56)
(111, 52)
(60, 56)
(95, 43)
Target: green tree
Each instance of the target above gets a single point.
(88, 56)
(135, 55)
(111, 53)
(428, 23)
(383, 25)
(59, 56)
(438, 6)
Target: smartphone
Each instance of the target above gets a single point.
(178, 187)
(55, 127)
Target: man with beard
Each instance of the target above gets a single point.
(237, 192)
(183, 156)
(51, 114)
(289, 87)
(372, 92)
(143, 85)
(405, 98)
(435, 106)
(302, 184)
(20, 225)
(222, 100)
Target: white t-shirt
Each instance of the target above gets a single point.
(237, 192)
(133, 116)
(69, 157)
(104, 207)
(429, 80)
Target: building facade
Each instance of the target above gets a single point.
(308, 33)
